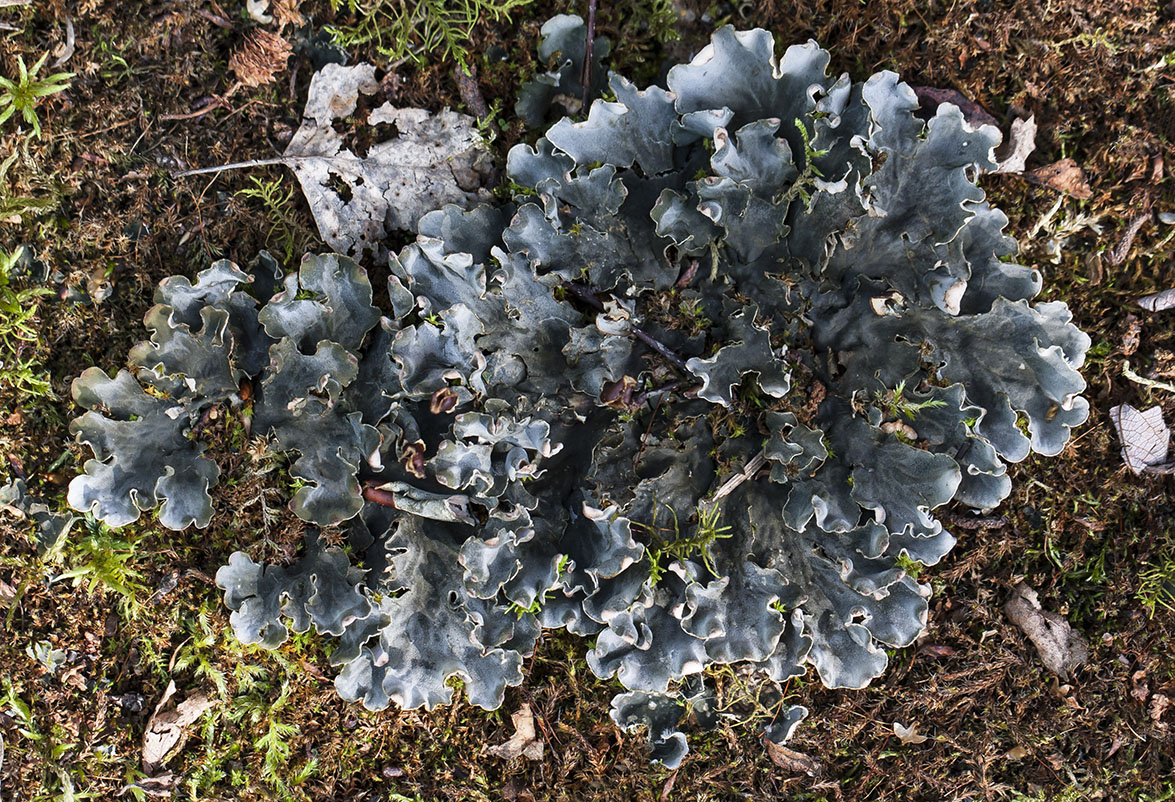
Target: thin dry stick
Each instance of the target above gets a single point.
(586, 74)
(748, 472)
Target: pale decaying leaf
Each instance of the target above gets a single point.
(908, 735)
(165, 730)
(524, 742)
(1064, 175)
(1158, 301)
(1021, 142)
(1061, 649)
(358, 198)
(1145, 437)
(260, 58)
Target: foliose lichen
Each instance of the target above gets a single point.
(695, 392)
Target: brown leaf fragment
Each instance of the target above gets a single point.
(1014, 153)
(1138, 687)
(285, 12)
(936, 650)
(1064, 175)
(1133, 336)
(7, 594)
(524, 742)
(165, 729)
(1159, 704)
(1159, 301)
(1061, 649)
(792, 761)
(930, 98)
(260, 58)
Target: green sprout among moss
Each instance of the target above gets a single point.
(26, 92)
(682, 548)
(896, 404)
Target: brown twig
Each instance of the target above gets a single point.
(588, 53)
(589, 297)
(1122, 249)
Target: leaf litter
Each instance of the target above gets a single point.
(357, 200)
(1145, 438)
(359, 196)
(1061, 649)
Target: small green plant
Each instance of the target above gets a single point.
(18, 308)
(897, 405)
(682, 548)
(199, 650)
(101, 559)
(417, 30)
(285, 232)
(1156, 585)
(26, 92)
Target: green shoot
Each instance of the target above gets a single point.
(18, 308)
(897, 405)
(419, 30)
(26, 92)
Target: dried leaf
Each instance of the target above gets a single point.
(260, 58)
(908, 735)
(791, 760)
(1064, 175)
(1159, 704)
(524, 742)
(7, 594)
(358, 198)
(1145, 437)
(1061, 649)
(165, 729)
(1158, 301)
(930, 98)
(1013, 154)
(1138, 687)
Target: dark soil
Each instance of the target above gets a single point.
(149, 99)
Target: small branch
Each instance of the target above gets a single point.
(233, 166)
(1145, 382)
(748, 472)
(588, 54)
(642, 397)
(589, 297)
(660, 348)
